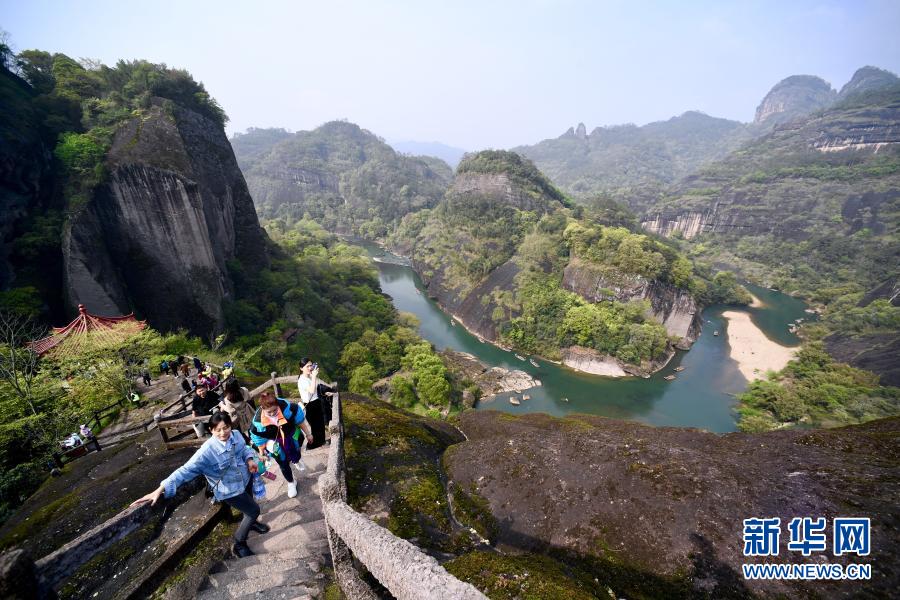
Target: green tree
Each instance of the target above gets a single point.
(402, 392)
(362, 379)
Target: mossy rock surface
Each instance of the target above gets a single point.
(91, 490)
(524, 577)
(658, 512)
(393, 474)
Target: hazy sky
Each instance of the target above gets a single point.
(473, 74)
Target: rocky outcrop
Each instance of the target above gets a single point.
(794, 97)
(658, 512)
(674, 307)
(590, 361)
(157, 236)
(476, 192)
(491, 381)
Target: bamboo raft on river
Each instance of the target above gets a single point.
(669, 377)
(514, 401)
(679, 369)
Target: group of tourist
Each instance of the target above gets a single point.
(181, 366)
(227, 459)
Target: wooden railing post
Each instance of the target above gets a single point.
(275, 385)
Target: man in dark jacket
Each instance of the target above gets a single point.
(204, 401)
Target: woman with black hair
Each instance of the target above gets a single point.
(316, 399)
(236, 402)
(228, 465)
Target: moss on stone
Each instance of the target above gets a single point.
(212, 549)
(39, 519)
(333, 592)
(473, 511)
(524, 577)
(92, 573)
(392, 461)
(419, 505)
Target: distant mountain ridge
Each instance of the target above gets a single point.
(345, 177)
(610, 159)
(631, 164)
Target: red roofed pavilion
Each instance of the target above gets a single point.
(75, 336)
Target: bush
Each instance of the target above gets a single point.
(362, 379)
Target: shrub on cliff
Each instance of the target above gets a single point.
(815, 390)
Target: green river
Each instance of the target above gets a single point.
(702, 395)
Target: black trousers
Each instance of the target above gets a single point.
(318, 413)
(285, 467)
(245, 503)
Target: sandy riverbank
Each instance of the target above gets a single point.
(757, 303)
(751, 349)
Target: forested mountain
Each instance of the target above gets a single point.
(793, 98)
(634, 165)
(616, 160)
(509, 255)
(344, 177)
(812, 208)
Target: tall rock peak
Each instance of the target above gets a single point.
(794, 97)
(158, 235)
(868, 79)
(581, 131)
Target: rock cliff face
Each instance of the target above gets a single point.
(478, 191)
(158, 234)
(675, 308)
(796, 96)
(473, 307)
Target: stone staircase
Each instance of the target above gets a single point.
(290, 559)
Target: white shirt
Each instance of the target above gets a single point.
(307, 388)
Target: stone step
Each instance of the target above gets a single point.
(293, 513)
(257, 578)
(297, 536)
(281, 592)
(312, 554)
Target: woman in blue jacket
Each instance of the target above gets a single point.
(276, 429)
(228, 465)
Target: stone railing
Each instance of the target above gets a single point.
(402, 568)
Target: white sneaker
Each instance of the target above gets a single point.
(292, 489)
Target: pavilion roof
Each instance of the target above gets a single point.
(87, 329)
